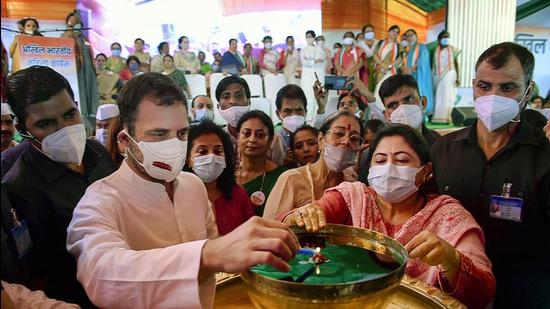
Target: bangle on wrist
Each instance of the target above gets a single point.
(456, 261)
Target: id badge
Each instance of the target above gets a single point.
(505, 208)
(22, 238)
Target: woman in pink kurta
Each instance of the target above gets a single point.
(349, 59)
(445, 244)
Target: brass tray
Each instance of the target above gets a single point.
(411, 294)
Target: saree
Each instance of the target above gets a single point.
(418, 60)
(263, 185)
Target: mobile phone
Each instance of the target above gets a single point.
(316, 77)
(337, 83)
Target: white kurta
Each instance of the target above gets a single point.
(137, 249)
(308, 56)
(292, 64)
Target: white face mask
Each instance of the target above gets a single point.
(392, 182)
(204, 114)
(404, 43)
(292, 123)
(445, 41)
(208, 167)
(161, 160)
(310, 41)
(369, 35)
(66, 145)
(268, 45)
(496, 111)
(233, 114)
(321, 43)
(348, 41)
(408, 114)
(338, 159)
(102, 135)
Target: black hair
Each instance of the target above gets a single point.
(247, 44)
(290, 37)
(263, 117)
(130, 58)
(394, 27)
(358, 35)
(116, 43)
(332, 118)
(311, 32)
(201, 52)
(23, 21)
(412, 30)
(350, 33)
(73, 13)
(217, 53)
(441, 34)
(394, 83)
(196, 97)
(414, 139)
(181, 40)
(34, 85)
(366, 26)
(320, 37)
(537, 97)
(230, 80)
(357, 97)
(231, 40)
(337, 45)
(139, 39)
(374, 125)
(160, 46)
(290, 91)
(267, 37)
(300, 129)
(499, 55)
(159, 86)
(226, 180)
(100, 54)
(169, 56)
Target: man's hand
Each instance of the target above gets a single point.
(320, 97)
(257, 241)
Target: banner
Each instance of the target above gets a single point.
(56, 53)
(537, 40)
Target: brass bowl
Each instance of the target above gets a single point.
(270, 293)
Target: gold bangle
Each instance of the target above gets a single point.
(456, 262)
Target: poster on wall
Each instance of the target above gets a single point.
(537, 40)
(56, 53)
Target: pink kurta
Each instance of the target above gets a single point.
(135, 248)
(355, 204)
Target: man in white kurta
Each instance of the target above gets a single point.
(136, 248)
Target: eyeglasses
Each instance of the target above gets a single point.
(355, 140)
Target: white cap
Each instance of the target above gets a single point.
(107, 111)
(6, 110)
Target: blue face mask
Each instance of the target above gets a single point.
(133, 67)
(115, 52)
(445, 41)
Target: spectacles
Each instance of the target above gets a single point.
(354, 139)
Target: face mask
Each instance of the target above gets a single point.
(369, 35)
(215, 67)
(445, 41)
(233, 114)
(66, 145)
(408, 114)
(208, 167)
(102, 135)
(134, 67)
(496, 111)
(162, 160)
(268, 45)
(310, 40)
(404, 43)
(77, 27)
(101, 67)
(204, 114)
(29, 32)
(338, 159)
(348, 41)
(292, 123)
(115, 52)
(393, 183)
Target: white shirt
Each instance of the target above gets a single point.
(137, 249)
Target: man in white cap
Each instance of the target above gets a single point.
(8, 127)
(105, 116)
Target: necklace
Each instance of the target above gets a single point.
(258, 197)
